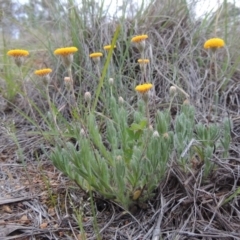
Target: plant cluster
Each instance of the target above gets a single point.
(123, 153)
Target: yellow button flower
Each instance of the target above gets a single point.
(66, 55)
(96, 55)
(140, 42)
(143, 61)
(107, 47)
(143, 88)
(139, 38)
(65, 51)
(214, 43)
(43, 72)
(18, 53)
(19, 56)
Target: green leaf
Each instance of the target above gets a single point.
(141, 126)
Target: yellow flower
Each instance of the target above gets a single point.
(143, 61)
(214, 43)
(65, 51)
(18, 53)
(107, 47)
(43, 72)
(140, 42)
(66, 54)
(95, 55)
(139, 38)
(19, 56)
(143, 88)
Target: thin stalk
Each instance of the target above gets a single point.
(25, 93)
(215, 65)
(50, 107)
(71, 95)
(98, 71)
(143, 68)
(148, 114)
(69, 70)
(170, 104)
(72, 87)
(106, 65)
(95, 226)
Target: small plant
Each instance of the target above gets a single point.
(124, 164)
(127, 162)
(123, 154)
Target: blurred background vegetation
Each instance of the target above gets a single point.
(176, 35)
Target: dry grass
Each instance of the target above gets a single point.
(38, 202)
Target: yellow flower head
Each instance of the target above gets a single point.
(140, 42)
(65, 51)
(18, 53)
(143, 61)
(108, 47)
(66, 54)
(139, 38)
(19, 56)
(143, 88)
(214, 43)
(95, 55)
(43, 72)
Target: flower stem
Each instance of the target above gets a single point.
(95, 226)
(104, 71)
(50, 107)
(25, 93)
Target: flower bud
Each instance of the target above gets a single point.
(143, 63)
(120, 100)
(111, 81)
(87, 97)
(165, 135)
(68, 83)
(119, 158)
(155, 134)
(150, 128)
(82, 132)
(172, 91)
(186, 102)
